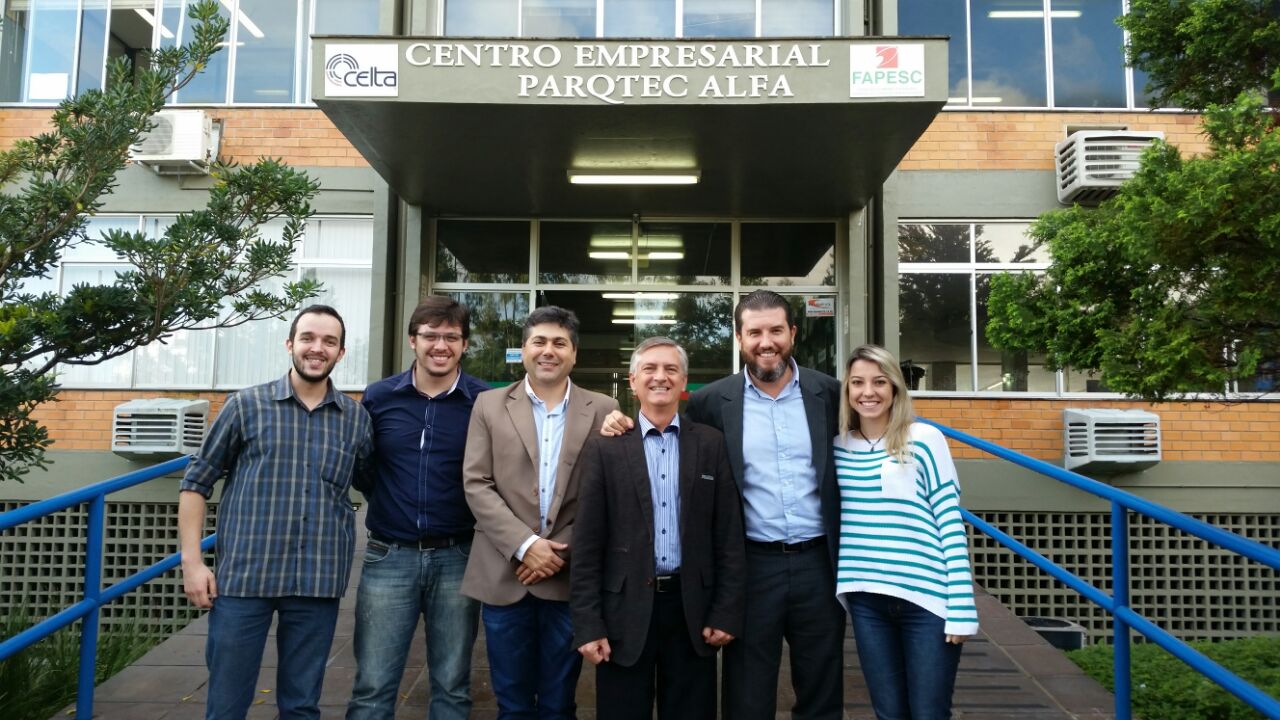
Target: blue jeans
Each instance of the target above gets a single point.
(397, 585)
(533, 665)
(237, 634)
(909, 666)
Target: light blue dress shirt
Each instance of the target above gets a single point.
(662, 455)
(550, 427)
(780, 481)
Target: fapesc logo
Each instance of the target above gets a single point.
(361, 70)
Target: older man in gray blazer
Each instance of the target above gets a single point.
(520, 482)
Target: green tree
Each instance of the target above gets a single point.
(204, 272)
(1173, 285)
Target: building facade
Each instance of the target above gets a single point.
(876, 162)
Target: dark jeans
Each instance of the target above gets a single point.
(685, 681)
(532, 662)
(237, 634)
(792, 596)
(909, 666)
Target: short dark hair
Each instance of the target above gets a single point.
(437, 309)
(319, 310)
(761, 300)
(555, 315)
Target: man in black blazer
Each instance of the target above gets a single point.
(778, 421)
(657, 582)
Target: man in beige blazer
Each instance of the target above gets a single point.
(521, 481)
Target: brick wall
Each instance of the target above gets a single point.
(300, 136)
(1240, 432)
(1025, 140)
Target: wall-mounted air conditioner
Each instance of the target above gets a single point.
(183, 142)
(1105, 441)
(1092, 164)
(158, 428)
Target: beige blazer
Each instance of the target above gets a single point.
(500, 478)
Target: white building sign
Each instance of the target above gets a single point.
(361, 70)
(886, 71)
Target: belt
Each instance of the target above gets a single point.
(781, 547)
(667, 583)
(426, 543)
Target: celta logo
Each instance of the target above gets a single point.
(888, 57)
(361, 70)
(344, 70)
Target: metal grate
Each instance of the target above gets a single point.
(42, 563)
(1193, 590)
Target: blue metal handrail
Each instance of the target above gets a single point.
(95, 596)
(1123, 617)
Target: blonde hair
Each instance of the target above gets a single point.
(897, 435)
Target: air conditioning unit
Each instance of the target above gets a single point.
(158, 428)
(1092, 164)
(1105, 441)
(183, 142)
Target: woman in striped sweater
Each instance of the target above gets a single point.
(903, 568)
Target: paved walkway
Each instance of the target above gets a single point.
(1008, 673)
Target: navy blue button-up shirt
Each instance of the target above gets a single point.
(285, 521)
(416, 489)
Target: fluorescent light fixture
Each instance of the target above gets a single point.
(609, 255)
(244, 21)
(1031, 14)
(644, 321)
(151, 20)
(666, 256)
(597, 177)
(643, 312)
(987, 100)
(640, 296)
(610, 241)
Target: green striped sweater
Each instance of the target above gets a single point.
(901, 533)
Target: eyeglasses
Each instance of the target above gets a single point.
(431, 338)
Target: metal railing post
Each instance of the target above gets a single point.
(94, 535)
(1120, 598)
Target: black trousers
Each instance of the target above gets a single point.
(684, 682)
(791, 596)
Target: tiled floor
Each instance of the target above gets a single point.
(1008, 673)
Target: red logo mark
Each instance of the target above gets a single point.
(888, 57)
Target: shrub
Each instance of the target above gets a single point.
(1165, 688)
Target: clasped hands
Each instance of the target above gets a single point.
(541, 561)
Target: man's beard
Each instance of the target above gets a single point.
(302, 373)
(774, 375)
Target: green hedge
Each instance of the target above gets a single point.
(1165, 688)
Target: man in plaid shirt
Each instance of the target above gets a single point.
(286, 529)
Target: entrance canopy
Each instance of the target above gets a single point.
(779, 128)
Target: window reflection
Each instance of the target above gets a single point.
(797, 18)
(685, 253)
(933, 243)
(640, 18)
(494, 251)
(210, 84)
(1088, 53)
(1006, 243)
(93, 43)
(788, 254)
(481, 18)
(559, 18)
(815, 345)
(933, 317)
(584, 252)
(1008, 53)
(497, 321)
(719, 18)
(266, 51)
(51, 50)
(1005, 370)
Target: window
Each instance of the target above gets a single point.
(50, 49)
(944, 276)
(998, 52)
(639, 18)
(337, 251)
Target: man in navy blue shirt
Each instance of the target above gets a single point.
(419, 524)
